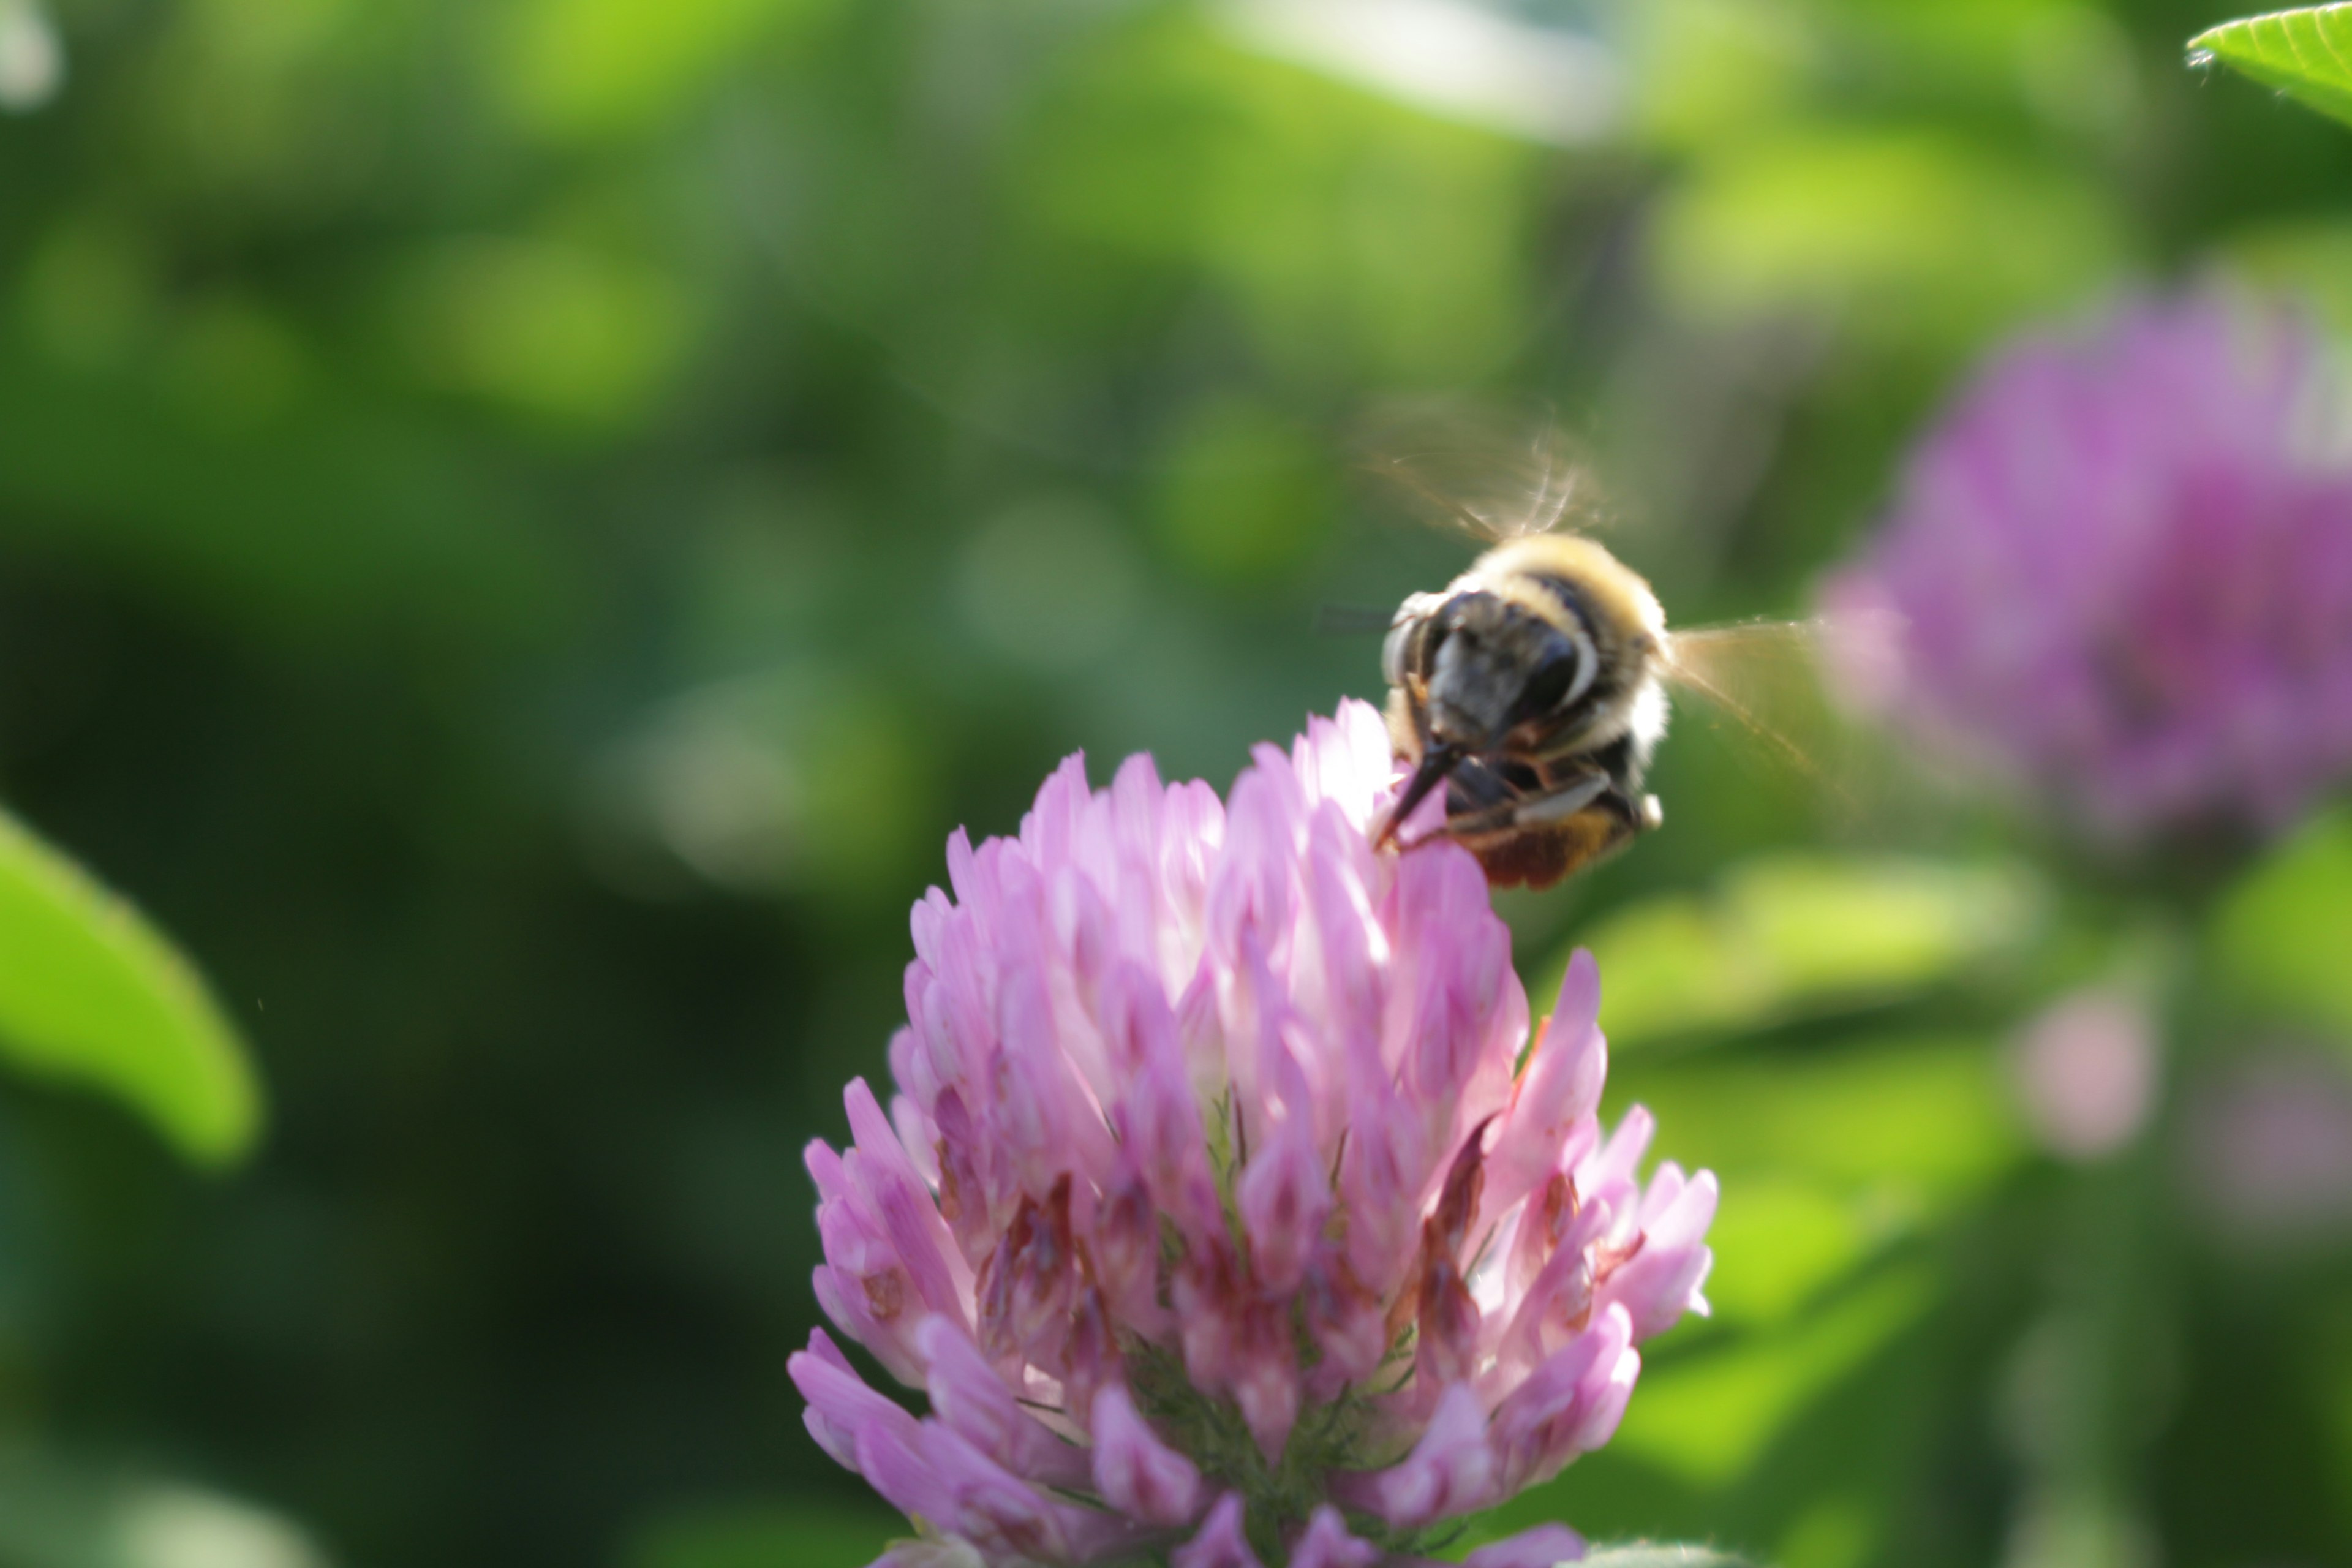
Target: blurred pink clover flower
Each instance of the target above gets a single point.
(2120, 571)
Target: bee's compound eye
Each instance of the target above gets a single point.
(1550, 685)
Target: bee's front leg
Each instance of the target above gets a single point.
(1484, 803)
(1560, 804)
(1535, 838)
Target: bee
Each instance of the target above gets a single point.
(1533, 689)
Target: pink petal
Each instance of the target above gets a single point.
(841, 1405)
(1568, 1406)
(892, 1461)
(1221, 1541)
(1662, 1282)
(1284, 1199)
(1558, 1092)
(1328, 1544)
(1450, 1470)
(1134, 1471)
(969, 1397)
(948, 1552)
(1544, 1546)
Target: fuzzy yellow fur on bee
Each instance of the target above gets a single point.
(1533, 691)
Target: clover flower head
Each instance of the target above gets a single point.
(2121, 571)
(1215, 1212)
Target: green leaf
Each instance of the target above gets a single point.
(90, 993)
(1780, 1240)
(2280, 936)
(1706, 1417)
(1880, 229)
(1164, 142)
(1930, 1117)
(2305, 54)
(581, 69)
(1796, 936)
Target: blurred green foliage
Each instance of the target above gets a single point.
(52, 1516)
(1785, 936)
(523, 523)
(2281, 939)
(90, 993)
(754, 1537)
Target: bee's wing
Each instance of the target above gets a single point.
(1491, 476)
(1772, 678)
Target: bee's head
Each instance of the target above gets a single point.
(1495, 667)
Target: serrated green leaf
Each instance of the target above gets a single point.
(90, 993)
(2305, 54)
(2281, 935)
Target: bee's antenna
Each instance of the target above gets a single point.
(1435, 764)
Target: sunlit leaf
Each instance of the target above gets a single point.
(1830, 929)
(90, 993)
(1780, 1241)
(2305, 54)
(1709, 1417)
(1791, 937)
(1932, 1116)
(1350, 236)
(2282, 935)
(1710, 71)
(1885, 230)
(588, 68)
(1482, 66)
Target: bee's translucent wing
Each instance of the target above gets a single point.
(1772, 678)
(1489, 475)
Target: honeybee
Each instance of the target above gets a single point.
(1534, 689)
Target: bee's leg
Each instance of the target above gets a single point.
(1516, 810)
(1479, 798)
(1562, 804)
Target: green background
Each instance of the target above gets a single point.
(523, 523)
